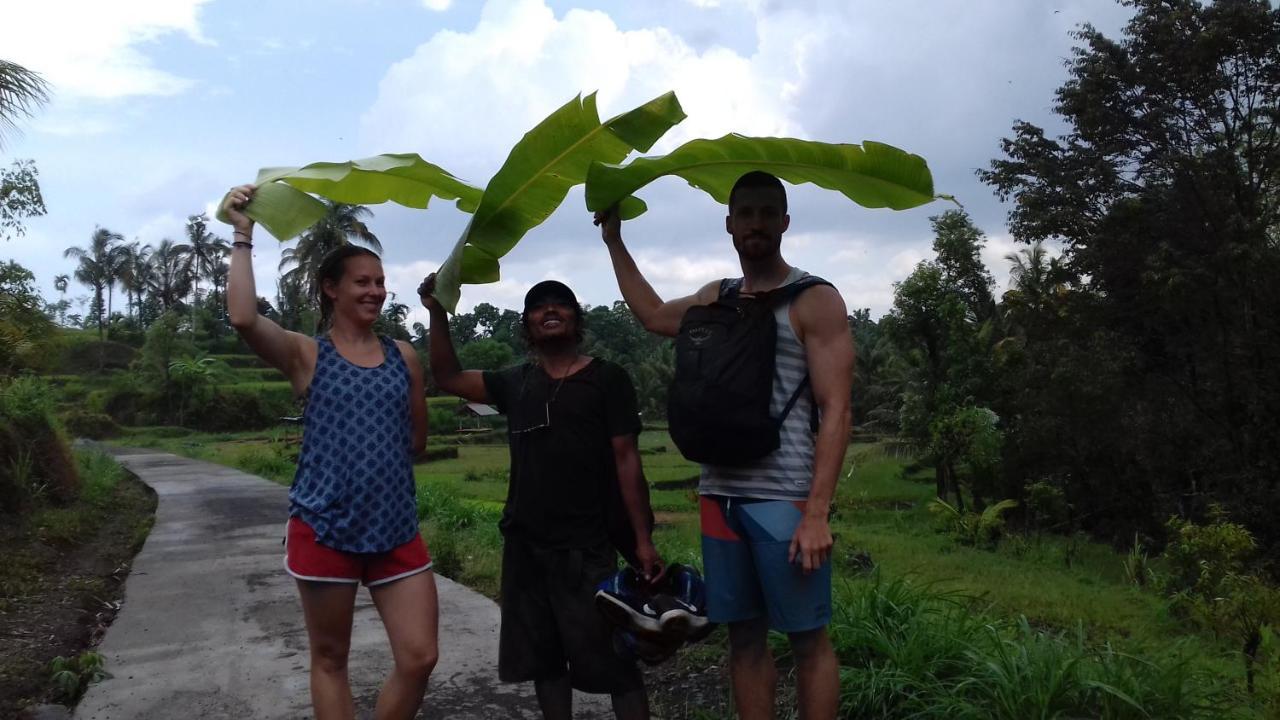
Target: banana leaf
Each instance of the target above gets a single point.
(283, 206)
(873, 175)
(551, 158)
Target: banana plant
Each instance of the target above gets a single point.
(873, 175)
(572, 146)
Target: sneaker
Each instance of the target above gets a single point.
(622, 599)
(681, 606)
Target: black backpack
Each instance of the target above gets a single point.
(718, 406)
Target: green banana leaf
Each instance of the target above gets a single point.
(551, 158)
(283, 206)
(873, 175)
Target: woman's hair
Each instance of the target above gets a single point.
(332, 268)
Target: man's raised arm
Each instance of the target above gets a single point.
(657, 316)
(446, 371)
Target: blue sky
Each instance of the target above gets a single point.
(160, 105)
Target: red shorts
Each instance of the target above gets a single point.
(307, 559)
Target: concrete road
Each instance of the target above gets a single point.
(211, 626)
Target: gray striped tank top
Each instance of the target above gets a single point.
(786, 473)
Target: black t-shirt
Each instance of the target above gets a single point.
(562, 464)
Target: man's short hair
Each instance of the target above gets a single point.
(759, 179)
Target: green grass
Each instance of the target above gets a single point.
(1051, 601)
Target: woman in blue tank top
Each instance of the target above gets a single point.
(352, 511)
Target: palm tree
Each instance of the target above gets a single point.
(206, 249)
(137, 274)
(21, 92)
(96, 265)
(1034, 275)
(171, 273)
(60, 283)
(340, 225)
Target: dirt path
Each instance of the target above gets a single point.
(211, 625)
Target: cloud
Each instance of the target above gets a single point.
(89, 50)
(437, 5)
(460, 95)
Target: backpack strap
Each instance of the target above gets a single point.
(776, 297)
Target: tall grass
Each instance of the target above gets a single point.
(908, 651)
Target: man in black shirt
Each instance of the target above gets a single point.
(572, 424)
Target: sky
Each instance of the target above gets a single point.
(160, 105)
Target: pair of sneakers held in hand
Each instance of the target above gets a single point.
(653, 622)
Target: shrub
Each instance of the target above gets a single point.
(1046, 505)
(440, 452)
(969, 528)
(1202, 556)
(99, 475)
(82, 356)
(237, 408)
(35, 461)
(94, 426)
(441, 420)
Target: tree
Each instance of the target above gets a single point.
(485, 354)
(26, 333)
(20, 197)
(341, 224)
(171, 273)
(21, 92)
(1165, 196)
(137, 274)
(60, 283)
(98, 267)
(206, 250)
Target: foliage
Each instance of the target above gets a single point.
(20, 196)
(1202, 557)
(911, 652)
(92, 425)
(981, 529)
(21, 92)
(72, 676)
(569, 147)
(485, 354)
(1140, 370)
(1045, 505)
(35, 460)
(27, 337)
(873, 174)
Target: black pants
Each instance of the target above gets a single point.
(550, 624)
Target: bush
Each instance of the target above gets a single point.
(441, 452)
(94, 426)
(99, 474)
(232, 408)
(441, 421)
(1201, 557)
(35, 460)
(82, 356)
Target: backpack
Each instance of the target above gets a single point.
(718, 405)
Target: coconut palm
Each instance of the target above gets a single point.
(98, 267)
(137, 274)
(340, 225)
(171, 273)
(21, 92)
(207, 250)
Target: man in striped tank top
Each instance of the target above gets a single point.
(766, 541)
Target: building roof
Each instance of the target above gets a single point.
(480, 409)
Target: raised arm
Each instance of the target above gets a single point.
(820, 319)
(446, 371)
(291, 353)
(657, 316)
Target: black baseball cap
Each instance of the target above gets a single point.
(549, 291)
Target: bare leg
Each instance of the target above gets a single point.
(818, 674)
(755, 680)
(410, 613)
(555, 698)
(327, 609)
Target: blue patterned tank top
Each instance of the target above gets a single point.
(354, 484)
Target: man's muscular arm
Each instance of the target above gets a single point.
(823, 327)
(657, 316)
